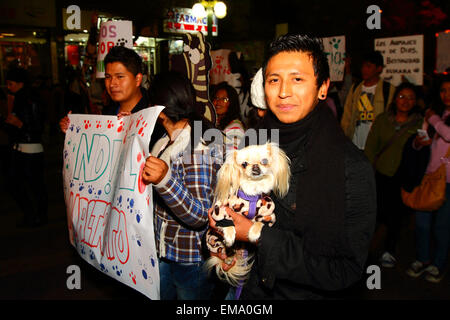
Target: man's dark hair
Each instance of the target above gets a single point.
(374, 57)
(128, 57)
(306, 44)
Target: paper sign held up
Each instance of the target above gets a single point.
(109, 209)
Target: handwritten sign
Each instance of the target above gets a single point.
(182, 20)
(112, 33)
(109, 209)
(403, 56)
(221, 70)
(334, 48)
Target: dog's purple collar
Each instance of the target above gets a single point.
(252, 203)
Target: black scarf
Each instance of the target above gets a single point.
(315, 145)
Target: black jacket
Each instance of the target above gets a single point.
(312, 252)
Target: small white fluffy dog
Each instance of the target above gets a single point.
(244, 183)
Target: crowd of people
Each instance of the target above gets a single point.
(346, 144)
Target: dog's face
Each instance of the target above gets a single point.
(256, 169)
(255, 164)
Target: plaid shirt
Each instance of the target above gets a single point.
(182, 199)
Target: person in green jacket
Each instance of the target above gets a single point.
(384, 146)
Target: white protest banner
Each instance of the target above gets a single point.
(220, 70)
(334, 48)
(403, 56)
(442, 51)
(112, 33)
(109, 209)
(182, 20)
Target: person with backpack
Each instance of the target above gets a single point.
(365, 102)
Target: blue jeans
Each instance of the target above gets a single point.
(184, 281)
(441, 231)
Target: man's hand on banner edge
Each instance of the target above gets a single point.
(123, 114)
(65, 122)
(154, 170)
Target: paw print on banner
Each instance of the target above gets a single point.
(139, 120)
(98, 124)
(138, 217)
(87, 124)
(133, 277)
(120, 128)
(81, 187)
(141, 130)
(103, 268)
(109, 124)
(145, 274)
(117, 271)
(152, 260)
(138, 239)
(90, 189)
(78, 129)
(335, 43)
(91, 255)
(121, 42)
(130, 204)
(71, 127)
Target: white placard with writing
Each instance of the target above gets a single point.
(112, 33)
(403, 56)
(334, 48)
(109, 209)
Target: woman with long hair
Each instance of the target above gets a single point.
(437, 124)
(226, 102)
(182, 169)
(384, 147)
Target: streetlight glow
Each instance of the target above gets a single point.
(220, 10)
(199, 10)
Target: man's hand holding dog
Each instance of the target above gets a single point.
(241, 224)
(154, 170)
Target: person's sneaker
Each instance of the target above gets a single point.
(433, 274)
(387, 260)
(416, 269)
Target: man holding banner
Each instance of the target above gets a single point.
(365, 102)
(123, 79)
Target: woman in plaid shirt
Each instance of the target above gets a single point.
(182, 169)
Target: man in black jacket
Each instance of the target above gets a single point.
(321, 237)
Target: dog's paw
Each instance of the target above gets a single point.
(214, 242)
(255, 232)
(229, 235)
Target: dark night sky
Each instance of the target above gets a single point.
(248, 20)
